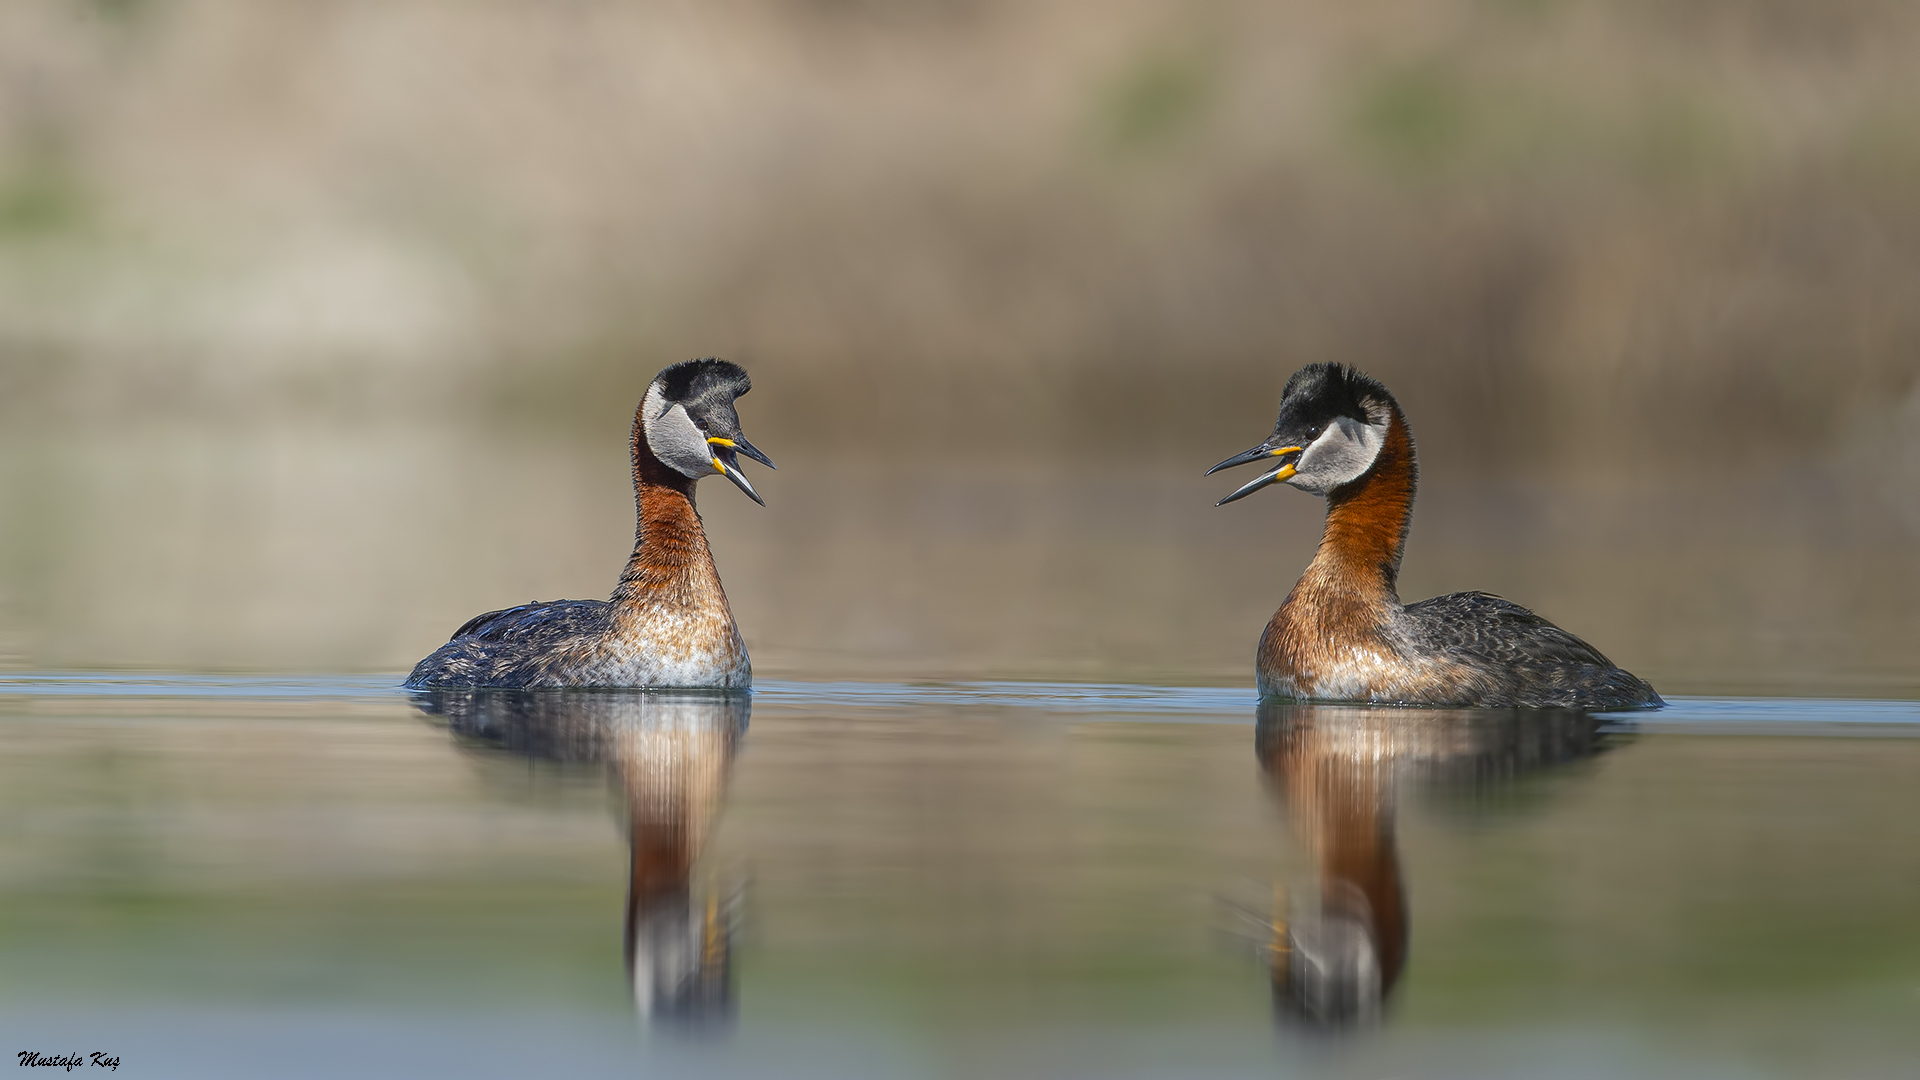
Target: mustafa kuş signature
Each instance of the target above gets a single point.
(68, 1062)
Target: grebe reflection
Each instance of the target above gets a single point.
(670, 753)
(1338, 771)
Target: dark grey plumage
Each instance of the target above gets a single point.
(515, 647)
(1526, 661)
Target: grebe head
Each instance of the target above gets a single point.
(1333, 421)
(688, 419)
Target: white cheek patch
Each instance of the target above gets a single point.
(674, 438)
(1339, 456)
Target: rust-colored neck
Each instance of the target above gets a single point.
(1367, 519)
(1343, 807)
(662, 861)
(670, 559)
(1357, 853)
(662, 864)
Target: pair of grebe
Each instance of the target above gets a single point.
(1341, 635)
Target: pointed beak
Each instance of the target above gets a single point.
(740, 443)
(1264, 450)
(729, 466)
(1258, 453)
(731, 470)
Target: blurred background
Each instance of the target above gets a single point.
(322, 324)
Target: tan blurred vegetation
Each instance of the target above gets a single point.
(321, 323)
(1590, 231)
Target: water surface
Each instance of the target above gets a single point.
(205, 875)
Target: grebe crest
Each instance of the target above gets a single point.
(667, 623)
(1343, 634)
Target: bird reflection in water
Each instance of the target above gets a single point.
(670, 753)
(1338, 770)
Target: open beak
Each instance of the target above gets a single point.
(724, 460)
(1259, 453)
(740, 443)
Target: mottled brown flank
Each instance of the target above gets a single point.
(667, 623)
(1343, 635)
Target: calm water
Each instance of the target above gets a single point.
(317, 877)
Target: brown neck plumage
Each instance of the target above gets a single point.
(670, 558)
(1359, 861)
(1367, 519)
(1343, 806)
(661, 862)
(674, 785)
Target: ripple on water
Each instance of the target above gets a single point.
(1196, 704)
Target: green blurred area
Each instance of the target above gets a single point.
(321, 327)
(1567, 233)
(954, 875)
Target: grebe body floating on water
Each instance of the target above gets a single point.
(668, 624)
(1342, 634)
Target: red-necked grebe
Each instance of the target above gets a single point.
(668, 623)
(1342, 634)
